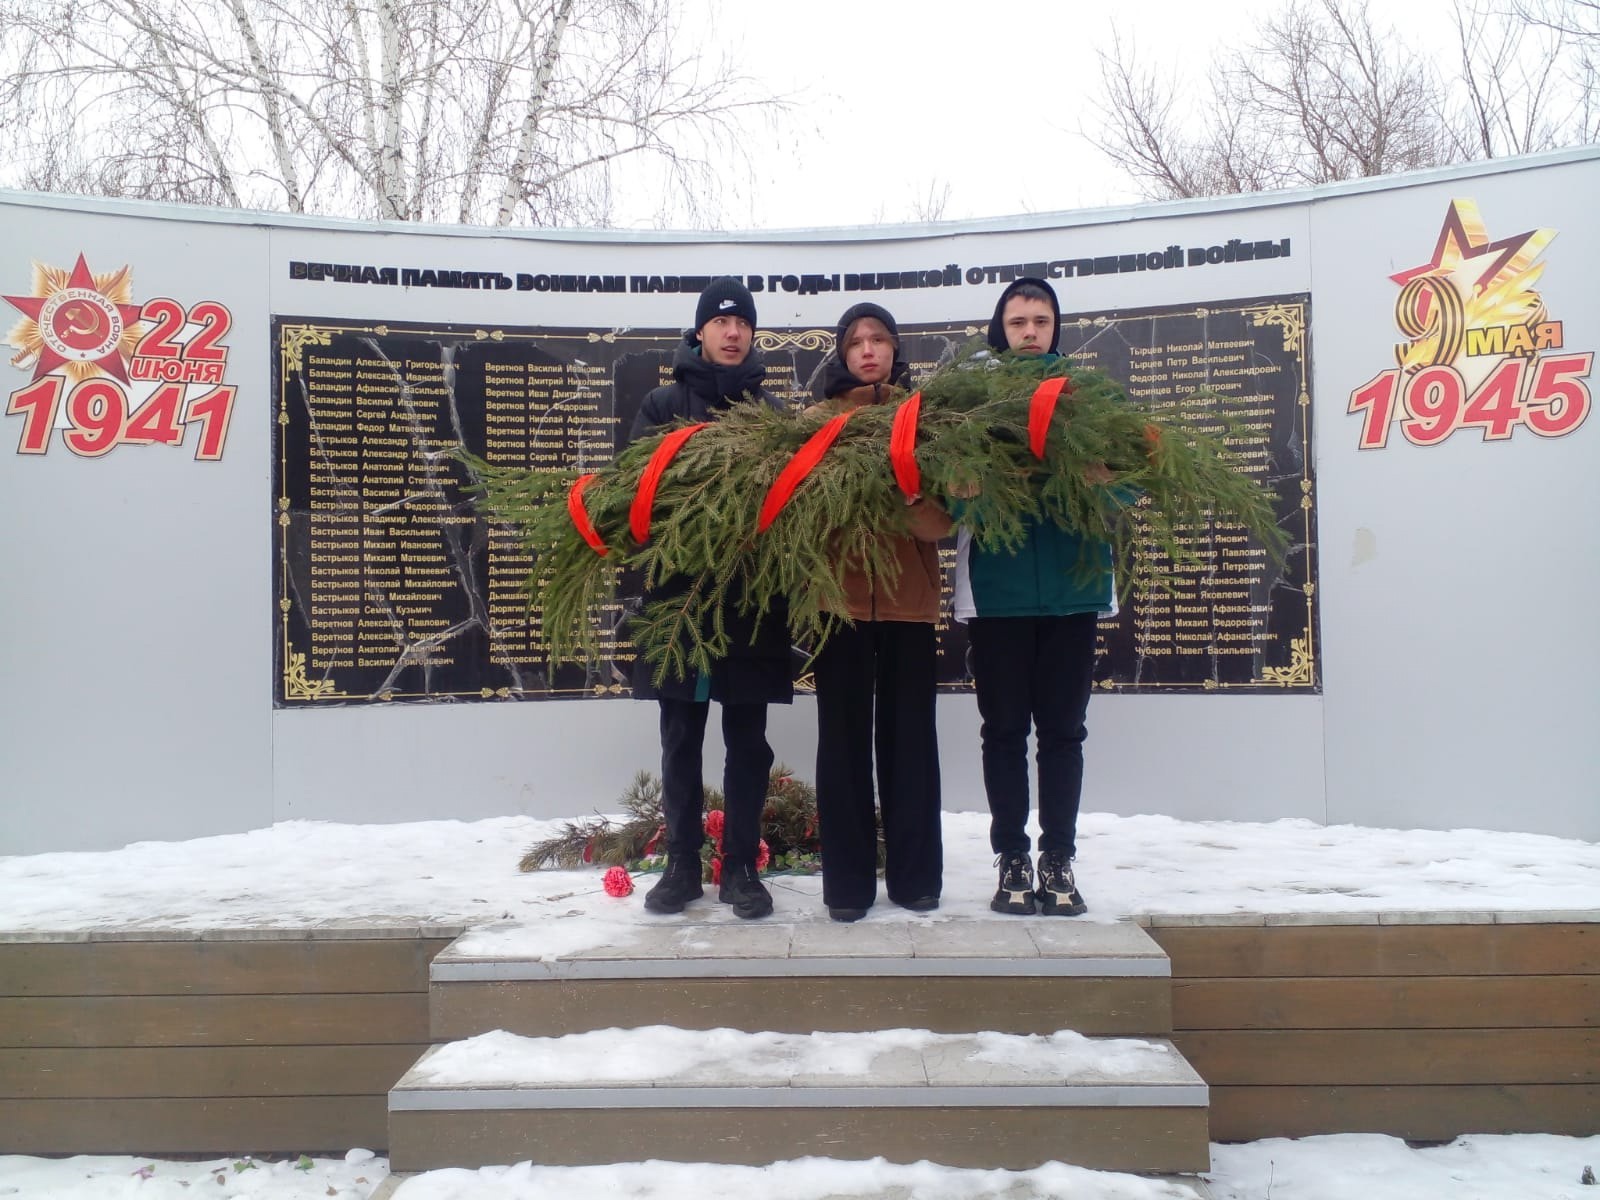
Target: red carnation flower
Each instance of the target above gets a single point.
(716, 870)
(714, 821)
(763, 856)
(618, 882)
(655, 840)
(588, 851)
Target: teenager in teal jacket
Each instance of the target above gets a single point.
(1031, 620)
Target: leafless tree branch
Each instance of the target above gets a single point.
(1325, 93)
(469, 110)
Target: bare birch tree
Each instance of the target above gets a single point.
(477, 111)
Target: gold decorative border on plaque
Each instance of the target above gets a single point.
(297, 684)
(297, 338)
(1291, 319)
(1299, 670)
(297, 687)
(805, 339)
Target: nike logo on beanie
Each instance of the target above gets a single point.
(725, 297)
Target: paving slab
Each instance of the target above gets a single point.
(857, 940)
(973, 939)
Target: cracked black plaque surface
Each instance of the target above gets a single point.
(390, 588)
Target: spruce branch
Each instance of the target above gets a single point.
(788, 825)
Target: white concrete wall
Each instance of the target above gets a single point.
(1457, 579)
(1457, 653)
(134, 641)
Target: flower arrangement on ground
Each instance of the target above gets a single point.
(788, 832)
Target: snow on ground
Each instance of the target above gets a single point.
(1526, 1167)
(118, 1177)
(1343, 1167)
(308, 874)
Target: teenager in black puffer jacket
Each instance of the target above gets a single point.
(716, 367)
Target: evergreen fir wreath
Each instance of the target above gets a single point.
(763, 504)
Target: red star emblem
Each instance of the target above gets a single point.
(77, 322)
(1464, 248)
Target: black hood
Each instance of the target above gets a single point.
(997, 329)
(716, 386)
(836, 377)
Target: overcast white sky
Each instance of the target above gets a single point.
(897, 97)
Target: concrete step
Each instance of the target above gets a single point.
(949, 976)
(1053, 1183)
(728, 1096)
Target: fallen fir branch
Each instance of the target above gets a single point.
(1114, 469)
(638, 840)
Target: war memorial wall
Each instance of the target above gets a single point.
(248, 584)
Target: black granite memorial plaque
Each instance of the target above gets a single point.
(391, 588)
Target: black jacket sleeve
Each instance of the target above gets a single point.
(650, 417)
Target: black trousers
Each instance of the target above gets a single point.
(1034, 671)
(745, 774)
(876, 686)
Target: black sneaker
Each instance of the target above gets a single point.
(1058, 891)
(841, 913)
(1015, 893)
(679, 884)
(742, 888)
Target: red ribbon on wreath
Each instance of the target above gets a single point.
(903, 445)
(1041, 408)
(580, 516)
(804, 461)
(1152, 441)
(645, 498)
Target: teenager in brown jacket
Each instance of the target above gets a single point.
(876, 677)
